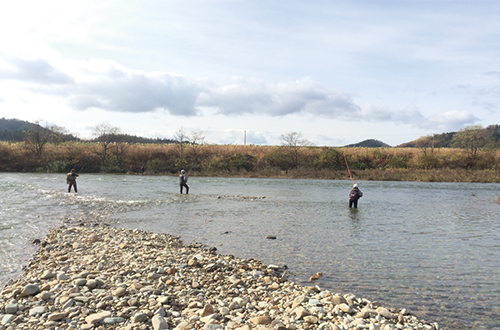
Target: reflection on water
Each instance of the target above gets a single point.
(430, 247)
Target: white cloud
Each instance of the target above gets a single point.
(114, 88)
(38, 71)
(452, 120)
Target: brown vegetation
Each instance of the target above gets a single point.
(391, 164)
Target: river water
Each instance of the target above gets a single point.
(433, 248)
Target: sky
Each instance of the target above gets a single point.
(336, 72)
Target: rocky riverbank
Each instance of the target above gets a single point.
(107, 278)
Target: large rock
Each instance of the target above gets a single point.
(97, 317)
(29, 290)
(11, 308)
(113, 320)
(36, 311)
(159, 323)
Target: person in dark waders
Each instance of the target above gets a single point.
(183, 179)
(71, 180)
(354, 195)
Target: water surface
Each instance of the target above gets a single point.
(430, 247)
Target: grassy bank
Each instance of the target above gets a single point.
(390, 164)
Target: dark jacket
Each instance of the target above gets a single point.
(355, 194)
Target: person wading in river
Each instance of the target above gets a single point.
(183, 179)
(71, 180)
(354, 195)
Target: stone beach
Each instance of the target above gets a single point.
(100, 277)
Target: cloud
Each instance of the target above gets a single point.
(256, 138)
(494, 74)
(452, 120)
(111, 87)
(38, 71)
(108, 86)
(302, 96)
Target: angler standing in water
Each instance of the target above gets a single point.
(183, 178)
(71, 179)
(354, 195)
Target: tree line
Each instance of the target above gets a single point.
(295, 157)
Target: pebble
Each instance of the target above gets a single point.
(99, 277)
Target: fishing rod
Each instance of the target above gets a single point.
(348, 169)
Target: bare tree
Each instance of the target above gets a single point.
(181, 140)
(39, 136)
(197, 143)
(293, 142)
(104, 133)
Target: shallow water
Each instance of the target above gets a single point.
(433, 248)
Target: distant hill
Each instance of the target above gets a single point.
(442, 140)
(370, 143)
(445, 140)
(12, 129)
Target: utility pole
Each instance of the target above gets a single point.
(245, 138)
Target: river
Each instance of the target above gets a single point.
(433, 248)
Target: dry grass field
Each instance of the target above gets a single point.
(392, 164)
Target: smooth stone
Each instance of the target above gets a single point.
(11, 308)
(68, 304)
(344, 308)
(80, 282)
(120, 292)
(30, 290)
(314, 302)
(92, 284)
(384, 312)
(47, 274)
(337, 300)
(209, 318)
(207, 310)
(113, 320)
(183, 325)
(45, 295)
(159, 323)
(301, 312)
(7, 319)
(97, 317)
(62, 277)
(311, 319)
(139, 317)
(37, 310)
(261, 320)
(56, 316)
